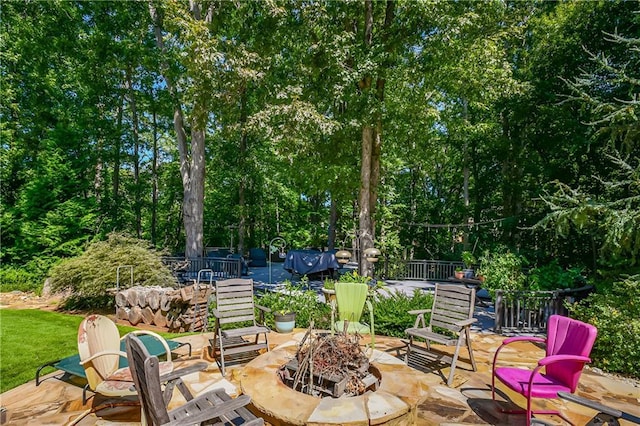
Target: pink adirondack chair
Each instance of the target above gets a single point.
(568, 345)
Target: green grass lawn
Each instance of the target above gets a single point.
(31, 337)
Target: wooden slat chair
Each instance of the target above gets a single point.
(453, 311)
(235, 306)
(212, 405)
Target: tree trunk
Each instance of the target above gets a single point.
(465, 172)
(243, 175)
(333, 220)
(364, 219)
(116, 167)
(192, 162)
(193, 204)
(136, 154)
(154, 181)
(371, 143)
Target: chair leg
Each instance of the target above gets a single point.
(222, 361)
(468, 338)
(529, 412)
(408, 352)
(453, 362)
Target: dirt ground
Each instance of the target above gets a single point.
(22, 300)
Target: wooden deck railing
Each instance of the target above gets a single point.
(428, 270)
(213, 268)
(528, 311)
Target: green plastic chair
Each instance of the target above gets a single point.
(351, 298)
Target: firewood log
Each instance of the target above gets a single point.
(159, 318)
(132, 297)
(186, 293)
(142, 296)
(165, 302)
(121, 298)
(147, 315)
(153, 299)
(122, 313)
(135, 315)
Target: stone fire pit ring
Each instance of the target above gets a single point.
(395, 401)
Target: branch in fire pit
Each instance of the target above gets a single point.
(329, 364)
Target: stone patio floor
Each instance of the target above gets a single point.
(468, 402)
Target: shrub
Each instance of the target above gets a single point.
(391, 310)
(468, 259)
(502, 271)
(28, 277)
(298, 298)
(553, 276)
(616, 314)
(13, 278)
(354, 277)
(89, 275)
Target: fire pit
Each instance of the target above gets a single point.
(395, 400)
(330, 364)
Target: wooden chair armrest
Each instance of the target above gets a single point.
(595, 405)
(466, 322)
(262, 310)
(419, 322)
(176, 374)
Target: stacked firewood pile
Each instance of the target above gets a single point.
(328, 364)
(179, 310)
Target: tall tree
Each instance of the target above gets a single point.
(190, 25)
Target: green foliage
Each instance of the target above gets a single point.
(553, 276)
(606, 207)
(468, 259)
(300, 299)
(92, 273)
(391, 310)
(354, 277)
(13, 278)
(502, 270)
(329, 284)
(348, 277)
(616, 314)
(470, 89)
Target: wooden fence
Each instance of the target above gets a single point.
(428, 270)
(527, 311)
(203, 268)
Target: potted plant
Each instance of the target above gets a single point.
(329, 290)
(469, 261)
(458, 273)
(285, 321)
(282, 305)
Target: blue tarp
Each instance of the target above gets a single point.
(305, 262)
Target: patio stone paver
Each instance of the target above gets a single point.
(468, 402)
(395, 401)
(56, 402)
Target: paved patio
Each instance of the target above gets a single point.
(467, 402)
